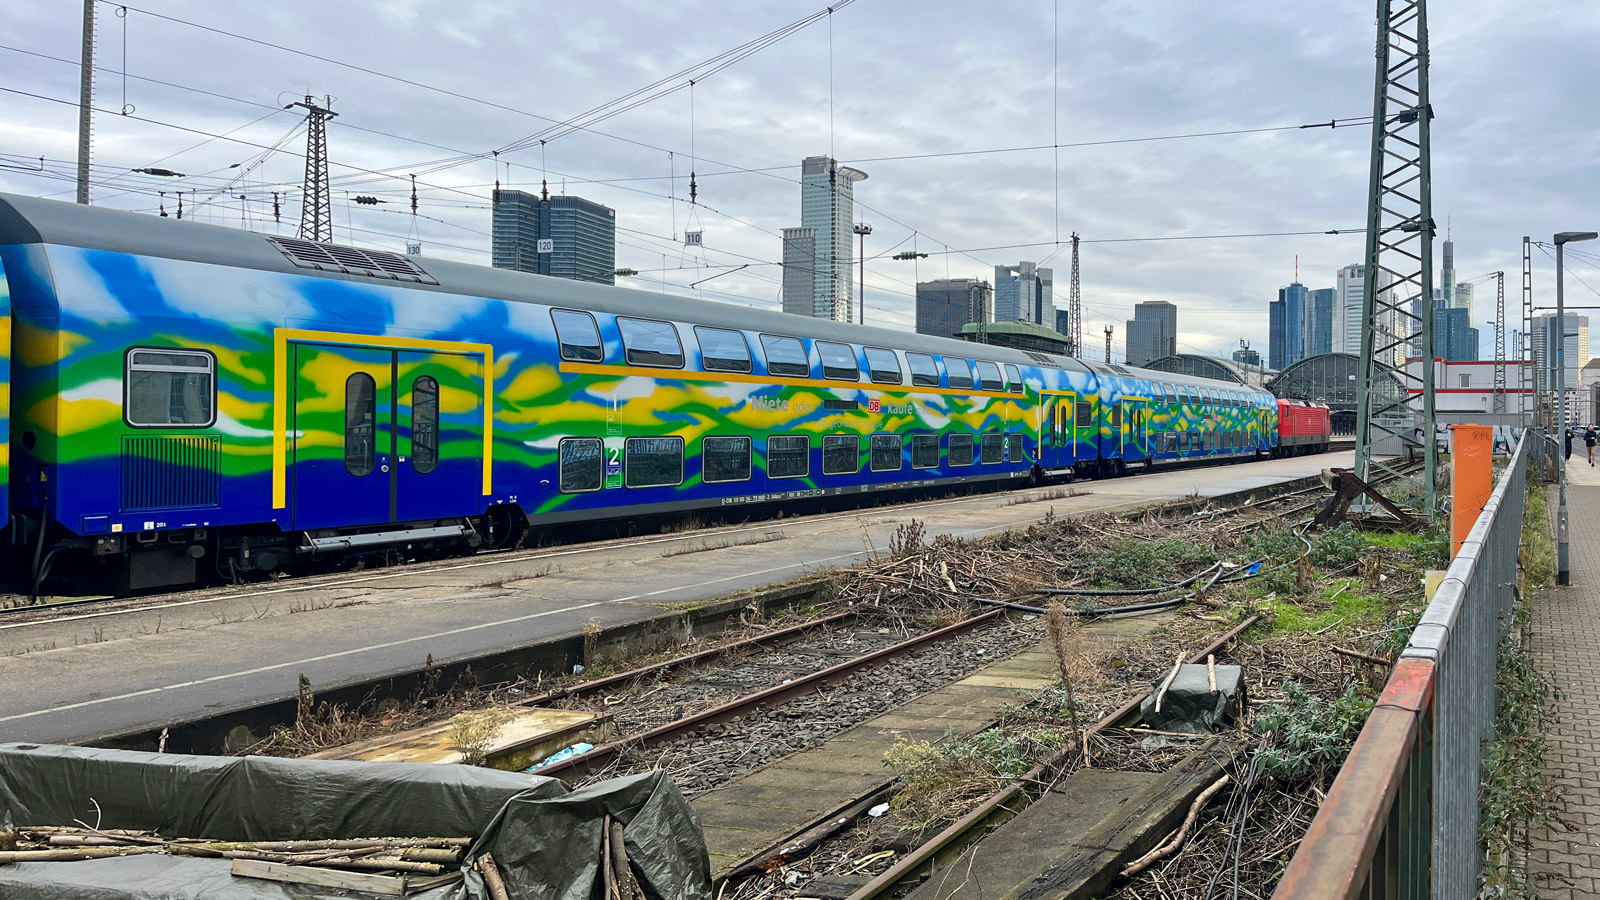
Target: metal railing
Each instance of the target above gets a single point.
(1401, 819)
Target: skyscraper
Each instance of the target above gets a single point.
(1347, 309)
(1064, 322)
(561, 236)
(1348, 317)
(1292, 334)
(944, 305)
(1275, 347)
(1022, 294)
(799, 271)
(820, 262)
(1152, 332)
(1250, 359)
(1319, 321)
(1575, 353)
(1450, 290)
(1454, 338)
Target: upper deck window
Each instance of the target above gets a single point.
(577, 336)
(924, 371)
(722, 350)
(786, 356)
(651, 343)
(838, 362)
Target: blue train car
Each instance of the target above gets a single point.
(198, 399)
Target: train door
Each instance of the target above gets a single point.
(1058, 434)
(343, 435)
(438, 434)
(1135, 429)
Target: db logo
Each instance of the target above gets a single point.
(874, 406)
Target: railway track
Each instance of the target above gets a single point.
(17, 611)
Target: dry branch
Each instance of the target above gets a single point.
(1171, 846)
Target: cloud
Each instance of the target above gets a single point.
(1513, 134)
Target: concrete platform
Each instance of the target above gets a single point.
(95, 673)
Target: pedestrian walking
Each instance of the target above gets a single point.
(1570, 430)
(1590, 438)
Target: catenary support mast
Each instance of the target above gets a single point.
(1397, 291)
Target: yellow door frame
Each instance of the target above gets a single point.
(282, 337)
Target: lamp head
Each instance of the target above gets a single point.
(1569, 237)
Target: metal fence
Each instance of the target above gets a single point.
(1401, 819)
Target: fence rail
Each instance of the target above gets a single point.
(1401, 819)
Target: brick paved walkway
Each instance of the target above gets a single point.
(1566, 644)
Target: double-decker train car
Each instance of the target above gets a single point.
(197, 399)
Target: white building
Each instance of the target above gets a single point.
(1464, 391)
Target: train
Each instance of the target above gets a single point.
(195, 401)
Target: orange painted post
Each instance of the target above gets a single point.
(1471, 478)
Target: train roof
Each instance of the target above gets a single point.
(32, 220)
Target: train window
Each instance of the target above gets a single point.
(725, 459)
(652, 462)
(786, 356)
(838, 362)
(841, 454)
(1013, 379)
(992, 448)
(1019, 452)
(424, 424)
(886, 453)
(960, 372)
(924, 372)
(883, 366)
(360, 438)
(788, 456)
(989, 376)
(960, 449)
(1116, 415)
(578, 337)
(651, 343)
(1084, 414)
(170, 388)
(722, 351)
(924, 451)
(582, 465)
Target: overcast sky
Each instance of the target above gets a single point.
(1514, 151)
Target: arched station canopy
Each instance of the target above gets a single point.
(1333, 378)
(1198, 365)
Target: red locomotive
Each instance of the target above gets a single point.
(1303, 427)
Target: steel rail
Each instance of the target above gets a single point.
(597, 759)
(915, 859)
(779, 636)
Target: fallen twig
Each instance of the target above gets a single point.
(1171, 846)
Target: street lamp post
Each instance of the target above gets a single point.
(1563, 571)
(863, 229)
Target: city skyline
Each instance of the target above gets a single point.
(737, 136)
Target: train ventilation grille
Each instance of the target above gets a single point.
(169, 472)
(351, 260)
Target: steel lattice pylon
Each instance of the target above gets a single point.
(1398, 314)
(1500, 343)
(316, 208)
(1075, 304)
(1537, 382)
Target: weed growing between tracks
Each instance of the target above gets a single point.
(1353, 590)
